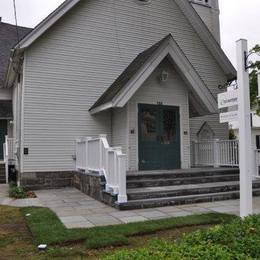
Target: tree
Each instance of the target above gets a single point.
(254, 67)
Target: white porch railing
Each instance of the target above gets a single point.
(216, 153)
(9, 156)
(257, 160)
(95, 154)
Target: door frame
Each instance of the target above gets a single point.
(6, 132)
(179, 106)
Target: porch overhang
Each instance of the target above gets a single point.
(126, 85)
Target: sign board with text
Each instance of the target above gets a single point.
(228, 117)
(228, 99)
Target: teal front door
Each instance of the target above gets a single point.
(159, 137)
(3, 133)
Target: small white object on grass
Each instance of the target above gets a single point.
(28, 215)
(42, 247)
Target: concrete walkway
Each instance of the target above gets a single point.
(77, 210)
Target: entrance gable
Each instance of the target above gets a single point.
(125, 86)
(205, 133)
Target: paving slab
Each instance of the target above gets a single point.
(133, 219)
(154, 214)
(77, 210)
(83, 224)
(69, 219)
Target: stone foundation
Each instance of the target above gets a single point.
(92, 184)
(46, 180)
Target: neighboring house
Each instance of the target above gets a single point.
(143, 72)
(255, 123)
(8, 39)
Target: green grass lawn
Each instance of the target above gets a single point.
(46, 228)
(20, 235)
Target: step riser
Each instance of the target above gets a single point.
(2, 174)
(181, 201)
(153, 195)
(180, 175)
(184, 181)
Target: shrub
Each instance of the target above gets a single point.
(161, 249)
(16, 192)
(238, 240)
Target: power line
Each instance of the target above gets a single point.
(16, 24)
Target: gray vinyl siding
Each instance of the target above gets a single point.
(174, 92)
(220, 130)
(72, 64)
(119, 128)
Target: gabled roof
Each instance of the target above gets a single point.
(185, 7)
(208, 38)
(127, 74)
(51, 19)
(8, 38)
(126, 85)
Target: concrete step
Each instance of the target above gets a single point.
(181, 200)
(155, 182)
(2, 173)
(142, 175)
(184, 190)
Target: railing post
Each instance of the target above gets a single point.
(122, 196)
(87, 153)
(196, 153)
(101, 159)
(6, 159)
(216, 152)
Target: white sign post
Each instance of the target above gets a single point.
(245, 144)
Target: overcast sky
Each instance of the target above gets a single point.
(239, 18)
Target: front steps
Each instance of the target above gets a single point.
(157, 189)
(2, 173)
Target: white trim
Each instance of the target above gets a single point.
(180, 107)
(47, 23)
(137, 134)
(22, 86)
(207, 37)
(184, 5)
(127, 135)
(101, 108)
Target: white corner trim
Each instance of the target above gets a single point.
(47, 23)
(207, 37)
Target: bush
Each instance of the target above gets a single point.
(16, 192)
(237, 240)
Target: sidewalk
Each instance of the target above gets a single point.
(77, 210)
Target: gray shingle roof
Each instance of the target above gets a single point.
(127, 74)
(8, 38)
(6, 110)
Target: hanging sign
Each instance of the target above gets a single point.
(228, 117)
(228, 99)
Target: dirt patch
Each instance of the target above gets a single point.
(16, 240)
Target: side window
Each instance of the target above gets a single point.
(258, 142)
